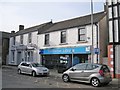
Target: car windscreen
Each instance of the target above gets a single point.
(36, 65)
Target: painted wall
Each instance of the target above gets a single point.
(25, 43)
(71, 38)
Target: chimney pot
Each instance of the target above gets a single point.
(21, 27)
(12, 32)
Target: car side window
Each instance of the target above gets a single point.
(89, 67)
(27, 65)
(80, 67)
(23, 64)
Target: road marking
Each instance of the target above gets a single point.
(45, 81)
(68, 85)
(36, 81)
(57, 84)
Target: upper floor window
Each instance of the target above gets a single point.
(46, 39)
(29, 37)
(13, 40)
(21, 39)
(63, 37)
(81, 34)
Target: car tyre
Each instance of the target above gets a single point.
(65, 78)
(33, 73)
(19, 71)
(95, 82)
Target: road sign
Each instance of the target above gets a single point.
(96, 50)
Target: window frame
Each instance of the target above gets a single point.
(81, 34)
(21, 39)
(47, 38)
(14, 40)
(63, 37)
(30, 37)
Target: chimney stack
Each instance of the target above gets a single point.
(21, 27)
(12, 32)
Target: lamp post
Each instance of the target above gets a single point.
(72, 55)
(92, 29)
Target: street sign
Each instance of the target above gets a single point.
(96, 50)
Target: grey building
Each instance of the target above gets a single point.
(4, 47)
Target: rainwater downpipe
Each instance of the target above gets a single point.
(97, 39)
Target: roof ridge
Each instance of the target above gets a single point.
(79, 17)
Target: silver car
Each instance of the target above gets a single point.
(32, 68)
(96, 74)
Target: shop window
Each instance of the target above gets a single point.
(46, 39)
(81, 34)
(29, 37)
(63, 37)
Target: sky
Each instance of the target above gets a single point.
(35, 12)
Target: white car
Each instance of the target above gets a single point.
(32, 68)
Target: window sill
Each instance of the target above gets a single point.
(13, 45)
(47, 45)
(21, 44)
(63, 43)
(81, 42)
(12, 61)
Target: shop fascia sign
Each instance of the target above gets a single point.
(66, 50)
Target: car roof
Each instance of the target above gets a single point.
(91, 63)
(28, 62)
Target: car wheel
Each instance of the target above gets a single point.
(33, 73)
(95, 82)
(65, 78)
(19, 71)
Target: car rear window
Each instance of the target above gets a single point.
(105, 68)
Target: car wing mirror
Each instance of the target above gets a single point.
(73, 69)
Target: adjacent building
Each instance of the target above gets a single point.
(113, 9)
(24, 44)
(4, 47)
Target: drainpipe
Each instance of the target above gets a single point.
(97, 39)
(92, 61)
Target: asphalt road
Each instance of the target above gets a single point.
(11, 79)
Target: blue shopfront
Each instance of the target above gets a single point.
(69, 56)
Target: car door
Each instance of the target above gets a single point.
(90, 69)
(28, 69)
(23, 67)
(77, 72)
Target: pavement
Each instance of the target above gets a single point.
(54, 73)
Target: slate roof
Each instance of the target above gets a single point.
(80, 21)
(32, 29)
(75, 22)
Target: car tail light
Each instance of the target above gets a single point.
(101, 73)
